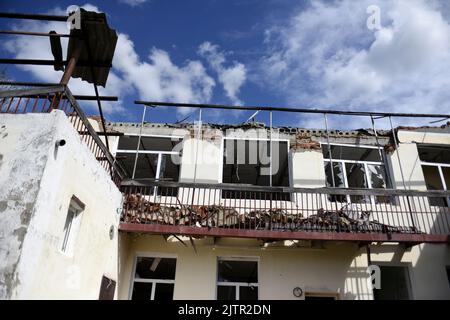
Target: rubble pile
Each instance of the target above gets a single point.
(140, 210)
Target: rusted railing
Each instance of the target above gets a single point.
(44, 100)
(285, 213)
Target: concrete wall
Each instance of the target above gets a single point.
(308, 169)
(336, 268)
(409, 157)
(201, 161)
(40, 181)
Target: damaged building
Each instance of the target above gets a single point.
(209, 211)
(91, 209)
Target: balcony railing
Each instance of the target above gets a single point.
(44, 100)
(285, 213)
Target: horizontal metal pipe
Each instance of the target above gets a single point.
(31, 92)
(41, 62)
(29, 84)
(39, 34)
(298, 110)
(273, 234)
(33, 16)
(250, 188)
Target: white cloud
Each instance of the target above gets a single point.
(325, 56)
(157, 79)
(160, 79)
(232, 78)
(133, 3)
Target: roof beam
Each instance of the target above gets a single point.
(32, 16)
(298, 110)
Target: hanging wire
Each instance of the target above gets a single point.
(329, 150)
(270, 149)
(394, 135)
(199, 137)
(376, 139)
(139, 141)
(440, 120)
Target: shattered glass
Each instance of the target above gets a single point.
(378, 180)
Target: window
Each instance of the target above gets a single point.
(355, 167)
(237, 279)
(71, 225)
(395, 284)
(154, 278)
(435, 162)
(154, 158)
(249, 162)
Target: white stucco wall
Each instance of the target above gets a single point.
(308, 169)
(339, 268)
(201, 161)
(42, 271)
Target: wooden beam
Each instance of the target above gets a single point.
(283, 235)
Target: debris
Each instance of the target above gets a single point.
(350, 218)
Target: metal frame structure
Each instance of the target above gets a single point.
(71, 61)
(46, 99)
(407, 199)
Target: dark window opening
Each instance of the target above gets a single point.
(147, 143)
(394, 284)
(156, 160)
(237, 280)
(352, 153)
(154, 279)
(436, 171)
(435, 154)
(248, 162)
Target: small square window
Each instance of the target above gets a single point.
(154, 278)
(237, 279)
(71, 225)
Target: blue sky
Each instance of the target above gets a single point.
(274, 52)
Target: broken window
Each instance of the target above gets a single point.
(237, 279)
(154, 159)
(71, 225)
(355, 167)
(154, 278)
(436, 170)
(249, 162)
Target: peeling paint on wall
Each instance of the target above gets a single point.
(23, 158)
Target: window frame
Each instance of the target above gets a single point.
(364, 163)
(439, 166)
(158, 152)
(222, 148)
(75, 209)
(153, 281)
(237, 284)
